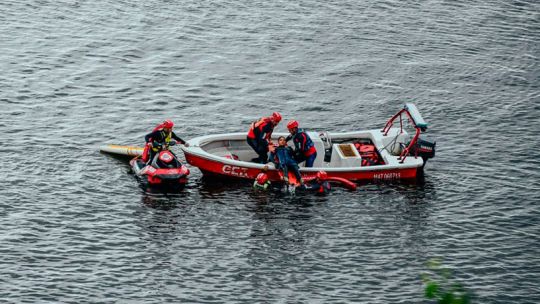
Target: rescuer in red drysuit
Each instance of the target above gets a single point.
(159, 138)
(259, 135)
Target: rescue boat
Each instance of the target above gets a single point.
(390, 153)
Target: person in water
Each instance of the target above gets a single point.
(160, 137)
(261, 182)
(259, 135)
(320, 185)
(284, 160)
(304, 148)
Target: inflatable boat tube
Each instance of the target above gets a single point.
(343, 182)
(122, 150)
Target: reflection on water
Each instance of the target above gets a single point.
(163, 199)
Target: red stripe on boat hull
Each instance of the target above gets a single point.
(215, 168)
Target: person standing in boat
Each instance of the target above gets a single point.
(320, 185)
(160, 136)
(259, 135)
(304, 148)
(284, 160)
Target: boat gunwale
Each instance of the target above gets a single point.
(196, 150)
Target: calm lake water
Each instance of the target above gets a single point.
(77, 228)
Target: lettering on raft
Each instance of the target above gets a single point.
(387, 176)
(234, 170)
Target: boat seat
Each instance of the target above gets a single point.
(345, 155)
(319, 146)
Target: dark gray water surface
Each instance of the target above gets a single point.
(76, 226)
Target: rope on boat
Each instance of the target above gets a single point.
(392, 142)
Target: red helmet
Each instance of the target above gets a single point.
(292, 124)
(168, 124)
(261, 178)
(322, 175)
(276, 117)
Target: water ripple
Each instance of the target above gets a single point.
(77, 226)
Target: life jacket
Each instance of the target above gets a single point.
(260, 124)
(368, 162)
(167, 139)
(368, 153)
(309, 148)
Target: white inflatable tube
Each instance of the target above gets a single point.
(122, 150)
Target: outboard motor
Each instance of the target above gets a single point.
(424, 149)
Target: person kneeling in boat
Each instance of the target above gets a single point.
(284, 160)
(304, 148)
(261, 182)
(259, 135)
(160, 137)
(320, 185)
